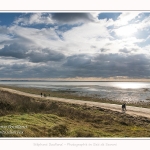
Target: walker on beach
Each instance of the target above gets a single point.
(124, 107)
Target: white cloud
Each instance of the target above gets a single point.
(89, 38)
(79, 39)
(126, 31)
(83, 37)
(37, 18)
(146, 49)
(45, 37)
(125, 17)
(143, 24)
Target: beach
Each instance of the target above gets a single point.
(129, 92)
(61, 114)
(132, 110)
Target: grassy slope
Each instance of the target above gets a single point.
(54, 119)
(49, 125)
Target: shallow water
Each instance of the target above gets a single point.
(121, 91)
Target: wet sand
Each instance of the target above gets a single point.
(131, 110)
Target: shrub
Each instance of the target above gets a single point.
(58, 131)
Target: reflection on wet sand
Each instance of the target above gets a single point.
(119, 91)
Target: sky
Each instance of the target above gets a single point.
(75, 44)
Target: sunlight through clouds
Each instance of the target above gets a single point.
(69, 44)
(126, 31)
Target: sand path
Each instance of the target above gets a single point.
(131, 110)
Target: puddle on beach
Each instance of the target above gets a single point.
(120, 91)
(117, 94)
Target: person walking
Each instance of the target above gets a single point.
(124, 107)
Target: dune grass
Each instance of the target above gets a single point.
(39, 118)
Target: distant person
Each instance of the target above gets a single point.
(41, 94)
(124, 107)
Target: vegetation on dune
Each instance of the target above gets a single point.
(37, 117)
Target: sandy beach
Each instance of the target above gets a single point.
(131, 110)
(61, 114)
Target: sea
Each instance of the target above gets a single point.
(118, 91)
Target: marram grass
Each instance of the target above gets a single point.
(22, 116)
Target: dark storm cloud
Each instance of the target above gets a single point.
(122, 65)
(32, 71)
(13, 50)
(100, 65)
(72, 17)
(78, 61)
(45, 55)
(13, 70)
(22, 52)
(108, 65)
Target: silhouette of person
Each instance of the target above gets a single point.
(124, 107)
(41, 94)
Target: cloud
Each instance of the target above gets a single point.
(13, 50)
(130, 50)
(126, 31)
(87, 48)
(78, 60)
(124, 50)
(125, 18)
(83, 37)
(104, 49)
(5, 36)
(45, 37)
(33, 19)
(4, 30)
(98, 65)
(53, 18)
(34, 55)
(107, 65)
(45, 55)
(73, 17)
